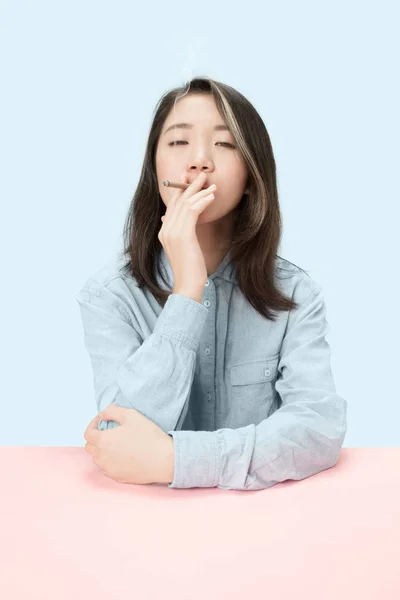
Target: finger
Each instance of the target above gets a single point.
(189, 212)
(92, 428)
(176, 194)
(90, 448)
(180, 214)
(202, 195)
(194, 187)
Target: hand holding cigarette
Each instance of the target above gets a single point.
(178, 235)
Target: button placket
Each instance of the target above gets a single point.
(207, 351)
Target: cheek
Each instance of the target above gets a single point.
(161, 172)
(161, 169)
(160, 163)
(165, 171)
(164, 166)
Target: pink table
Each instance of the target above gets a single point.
(68, 531)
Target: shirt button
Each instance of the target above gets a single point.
(207, 282)
(207, 351)
(267, 372)
(207, 303)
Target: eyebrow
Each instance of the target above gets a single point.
(190, 126)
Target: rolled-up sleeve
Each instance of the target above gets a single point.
(303, 437)
(153, 376)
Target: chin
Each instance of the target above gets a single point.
(204, 217)
(207, 215)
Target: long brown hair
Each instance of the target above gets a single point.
(257, 229)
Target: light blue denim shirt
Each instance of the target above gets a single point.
(248, 402)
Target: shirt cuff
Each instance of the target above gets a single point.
(182, 319)
(198, 457)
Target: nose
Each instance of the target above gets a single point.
(199, 164)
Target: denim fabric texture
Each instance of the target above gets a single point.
(248, 402)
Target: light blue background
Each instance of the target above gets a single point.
(79, 83)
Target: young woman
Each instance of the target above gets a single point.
(205, 329)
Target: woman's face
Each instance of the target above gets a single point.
(182, 153)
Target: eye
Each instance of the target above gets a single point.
(179, 142)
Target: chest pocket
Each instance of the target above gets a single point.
(252, 390)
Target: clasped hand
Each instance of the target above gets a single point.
(136, 451)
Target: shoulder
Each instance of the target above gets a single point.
(111, 285)
(295, 282)
(112, 273)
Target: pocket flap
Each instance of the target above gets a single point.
(258, 371)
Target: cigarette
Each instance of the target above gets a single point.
(181, 186)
